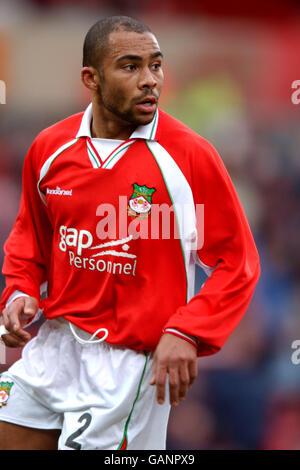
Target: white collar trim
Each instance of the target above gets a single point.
(147, 131)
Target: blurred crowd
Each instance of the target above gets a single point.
(248, 395)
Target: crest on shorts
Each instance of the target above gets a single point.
(140, 202)
(5, 388)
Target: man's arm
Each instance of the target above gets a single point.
(27, 252)
(14, 317)
(230, 257)
(176, 359)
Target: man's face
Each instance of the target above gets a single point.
(131, 77)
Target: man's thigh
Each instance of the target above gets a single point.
(15, 437)
(25, 424)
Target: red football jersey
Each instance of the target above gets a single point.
(118, 240)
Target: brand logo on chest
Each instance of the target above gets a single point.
(59, 192)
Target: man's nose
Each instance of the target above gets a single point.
(146, 79)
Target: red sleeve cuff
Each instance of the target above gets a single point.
(182, 336)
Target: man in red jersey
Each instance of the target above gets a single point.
(120, 308)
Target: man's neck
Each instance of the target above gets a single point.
(105, 125)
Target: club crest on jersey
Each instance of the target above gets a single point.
(140, 202)
(5, 388)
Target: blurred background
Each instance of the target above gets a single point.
(229, 70)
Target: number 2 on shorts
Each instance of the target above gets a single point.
(70, 442)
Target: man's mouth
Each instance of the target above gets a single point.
(147, 104)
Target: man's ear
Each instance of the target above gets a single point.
(90, 78)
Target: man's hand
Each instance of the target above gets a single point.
(14, 317)
(178, 358)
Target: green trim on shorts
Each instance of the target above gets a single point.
(124, 442)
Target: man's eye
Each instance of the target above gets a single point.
(156, 66)
(129, 67)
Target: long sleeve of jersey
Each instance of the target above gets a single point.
(228, 256)
(27, 250)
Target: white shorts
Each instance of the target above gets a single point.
(97, 394)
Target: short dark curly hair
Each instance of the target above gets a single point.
(96, 40)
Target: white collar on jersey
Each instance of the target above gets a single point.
(147, 132)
